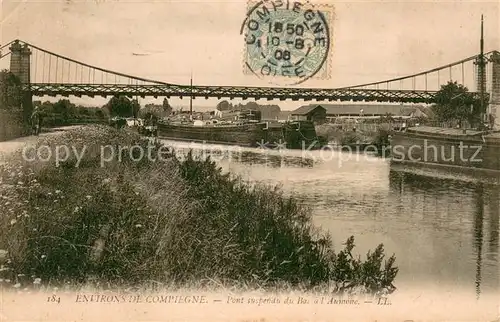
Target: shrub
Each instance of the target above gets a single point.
(350, 138)
(178, 222)
(381, 141)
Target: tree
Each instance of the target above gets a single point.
(454, 102)
(65, 108)
(167, 109)
(10, 91)
(224, 106)
(135, 108)
(100, 113)
(120, 106)
(12, 116)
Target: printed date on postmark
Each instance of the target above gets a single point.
(286, 42)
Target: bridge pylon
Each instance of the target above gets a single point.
(20, 65)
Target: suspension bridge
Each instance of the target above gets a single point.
(43, 72)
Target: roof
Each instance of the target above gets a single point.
(306, 109)
(350, 109)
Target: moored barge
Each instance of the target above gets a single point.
(470, 152)
(273, 134)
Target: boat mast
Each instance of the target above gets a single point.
(481, 69)
(191, 99)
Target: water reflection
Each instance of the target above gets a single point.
(272, 160)
(438, 197)
(478, 233)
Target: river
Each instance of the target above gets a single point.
(444, 231)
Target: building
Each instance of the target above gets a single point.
(331, 112)
(315, 113)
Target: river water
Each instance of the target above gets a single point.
(444, 231)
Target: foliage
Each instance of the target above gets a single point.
(158, 111)
(63, 112)
(65, 108)
(178, 221)
(122, 106)
(454, 102)
(150, 109)
(135, 107)
(11, 112)
(166, 106)
(10, 91)
(381, 141)
(350, 138)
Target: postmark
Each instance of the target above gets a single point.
(286, 42)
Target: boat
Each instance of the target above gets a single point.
(264, 134)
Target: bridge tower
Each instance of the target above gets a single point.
(20, 66)
(494, 102)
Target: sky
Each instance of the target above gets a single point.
(371, 40)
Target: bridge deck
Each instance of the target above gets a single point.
(269, 93)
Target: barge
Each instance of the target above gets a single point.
(273, 134)
(470, 152)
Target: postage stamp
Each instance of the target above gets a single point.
(287, 42)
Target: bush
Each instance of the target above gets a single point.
(178, 222)
(350, 138)
(58, 119)
(11, 125)
(382, 142)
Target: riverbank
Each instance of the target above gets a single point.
(118, 219)
(374, 141)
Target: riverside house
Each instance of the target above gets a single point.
(321, 113)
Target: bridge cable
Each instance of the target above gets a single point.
(7, 44)
(418, 74)
(43, 68)
(36, 63)
(57, 62)
(4, 55)
(98, 68)
(50, 62)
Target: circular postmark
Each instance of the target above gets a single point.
(285, 42)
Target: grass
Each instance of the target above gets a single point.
(178, 222)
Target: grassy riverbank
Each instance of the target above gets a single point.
(174, 222)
